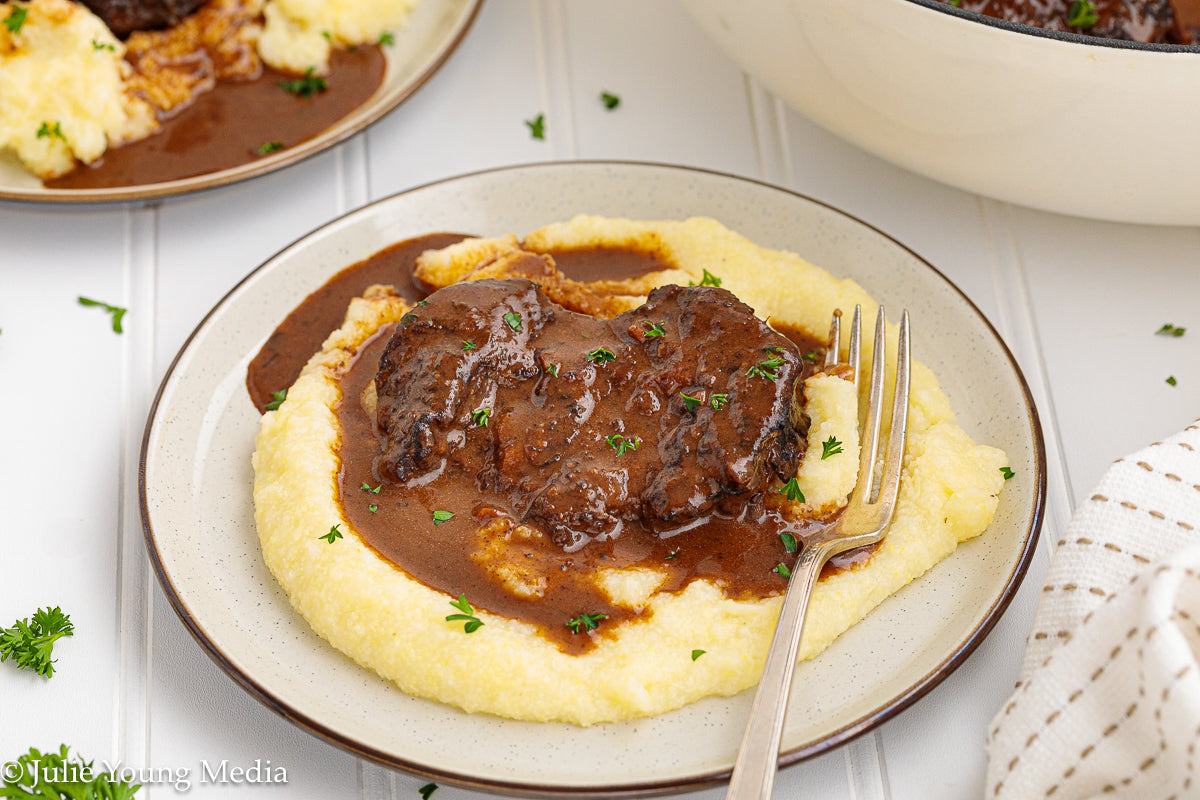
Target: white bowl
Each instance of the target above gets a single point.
(1059, 122)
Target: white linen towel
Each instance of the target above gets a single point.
(1108, 702)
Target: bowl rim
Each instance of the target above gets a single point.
(943, 7)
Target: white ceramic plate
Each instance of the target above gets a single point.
(197, 510)
(433, 31)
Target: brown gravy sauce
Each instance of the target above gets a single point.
(739, 554)
(225, 127)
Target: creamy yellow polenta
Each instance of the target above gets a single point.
(373, 612)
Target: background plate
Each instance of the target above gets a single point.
(433, 31)
(197, 512)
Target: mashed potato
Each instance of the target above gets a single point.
(387, 621)
(67, 93)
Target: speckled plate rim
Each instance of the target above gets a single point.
(1024, 533)
(443, 25)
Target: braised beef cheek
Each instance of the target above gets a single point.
(123, 17)
(664, 414)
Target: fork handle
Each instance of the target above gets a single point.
(758, 758)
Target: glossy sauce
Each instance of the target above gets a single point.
(737, 548)
(225, 127)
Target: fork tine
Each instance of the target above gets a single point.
(890, 483)
(835, 340)
(856, 344)
(869, 453)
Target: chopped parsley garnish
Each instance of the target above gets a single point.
(791, 490)
(407, 319)
(1171, 380)
(333, 535)
(697, 653)
(766, 369)
(473, 623)
(654, 328)
(1082, 14)
(610, 100)
(469, 345)
(99, 45)
(718, 401)
(56, 776)
(366, 487)
(372, 508)
(955, 3)
(587, 622)
(830, 447)
(327, 35)
(1171, 330)
(672, 554)
(480, 417)
(601, 355)
(690, 402)
(537, 126)
(116, 311)
(30, 642)
(277, 399)
(513, 320)
(269, 147)
(811, 355)
(552, 369)
(54, 131)
(782, 570)
(1007, 473)
(307, 86)
(789, 542)
(422, 302)
(708, 279)
(429, 788)
(15, 20)
(621, 444)
(387, 39)
(440, 516)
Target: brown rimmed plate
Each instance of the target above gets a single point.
(195, 500)
(433, 32)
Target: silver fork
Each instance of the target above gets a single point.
(863, 522)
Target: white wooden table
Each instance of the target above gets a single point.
(1077, 301)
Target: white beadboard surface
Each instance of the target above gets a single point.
(1078, 302)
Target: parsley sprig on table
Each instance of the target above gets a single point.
(117, 312)
(537, 126)
(30, 642)
(57, 776)
(1171, 330)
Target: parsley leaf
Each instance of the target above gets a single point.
(789, 542)
(55, 131)
(1007, 473)
(830, 447)
(56, 776)
(1082, 14)
(766, 369)
(440, 516)
(99, 45)
(697, 653)
(307, 86)
(333, 535)
(429, 788)
(610, 100)
(277, 399)
(480, 417)
(513, 320)
(718, 401)
(269, 147)
(690, 402)
(1171, 330)
(621, 444)
(116, 311)
(654, 328)
(552, 369)
(1171, 380)
(707, 280)
(587, 622)
(537, 126)
(15, 19)
(366, 487)
(469, 345)
(792, 490)
(473, 623)
(30, 642)
(782, 570)
(674, 553)
(600, 356)
(387, 39)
